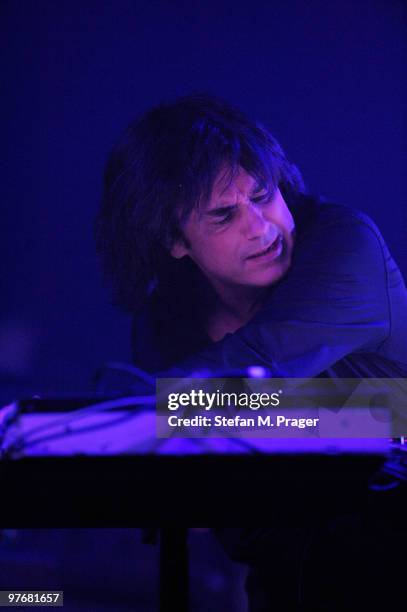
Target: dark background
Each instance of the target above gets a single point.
(328, 78)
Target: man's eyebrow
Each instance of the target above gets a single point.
(224, 208)
(220, 210)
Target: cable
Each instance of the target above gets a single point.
(74, 432)
(9, 415)
(79, 414)
(119, 366)
(393, 472)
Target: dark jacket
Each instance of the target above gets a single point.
(340, 311)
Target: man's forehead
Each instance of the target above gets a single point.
(227, 184)
(229, 179)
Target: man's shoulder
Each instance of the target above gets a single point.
(330, 213)
(327, 220)
(338, 240)
(325, 210)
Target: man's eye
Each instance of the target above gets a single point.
(262, 199)
(225, 218)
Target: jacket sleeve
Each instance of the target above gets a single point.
(333, 302)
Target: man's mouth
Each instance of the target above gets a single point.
(273, 250)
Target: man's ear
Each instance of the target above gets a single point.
(178, 249)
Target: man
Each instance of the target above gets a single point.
(208, 238)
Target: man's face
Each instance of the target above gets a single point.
(239, 239)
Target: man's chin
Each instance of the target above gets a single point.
(272, 276)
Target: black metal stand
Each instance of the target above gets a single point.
(174, 592)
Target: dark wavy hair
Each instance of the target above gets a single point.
(164, 165)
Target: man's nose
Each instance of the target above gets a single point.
(255, 224)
